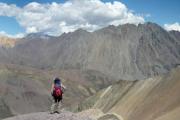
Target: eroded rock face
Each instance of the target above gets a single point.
(46, 116)
(124, 52)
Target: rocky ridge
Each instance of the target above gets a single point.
(126, 52)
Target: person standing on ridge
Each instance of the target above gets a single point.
(57, 91)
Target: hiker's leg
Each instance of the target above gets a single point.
(59, 106)
(56, 107)
(53, 106)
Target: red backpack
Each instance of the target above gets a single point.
(57, 91)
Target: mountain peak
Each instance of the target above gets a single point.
(151, 25)
(80, 30)
(37, 35)
(174, 31)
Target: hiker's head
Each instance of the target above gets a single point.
(57, 80)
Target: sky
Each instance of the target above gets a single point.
(54, 17)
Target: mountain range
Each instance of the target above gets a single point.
(126, 52)
(137, 63)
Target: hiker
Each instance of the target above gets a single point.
(57, 90)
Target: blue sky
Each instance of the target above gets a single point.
(161, 11)
(158, 11)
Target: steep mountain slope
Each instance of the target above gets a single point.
(122, 52)
(25, 90)
(153, 99)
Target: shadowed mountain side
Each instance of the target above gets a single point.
(153, 99)
(25, 90)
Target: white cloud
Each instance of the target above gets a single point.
(56, 18)
(32, 29)
(174, 26)
(19, 35)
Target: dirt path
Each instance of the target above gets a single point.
(46, 116)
